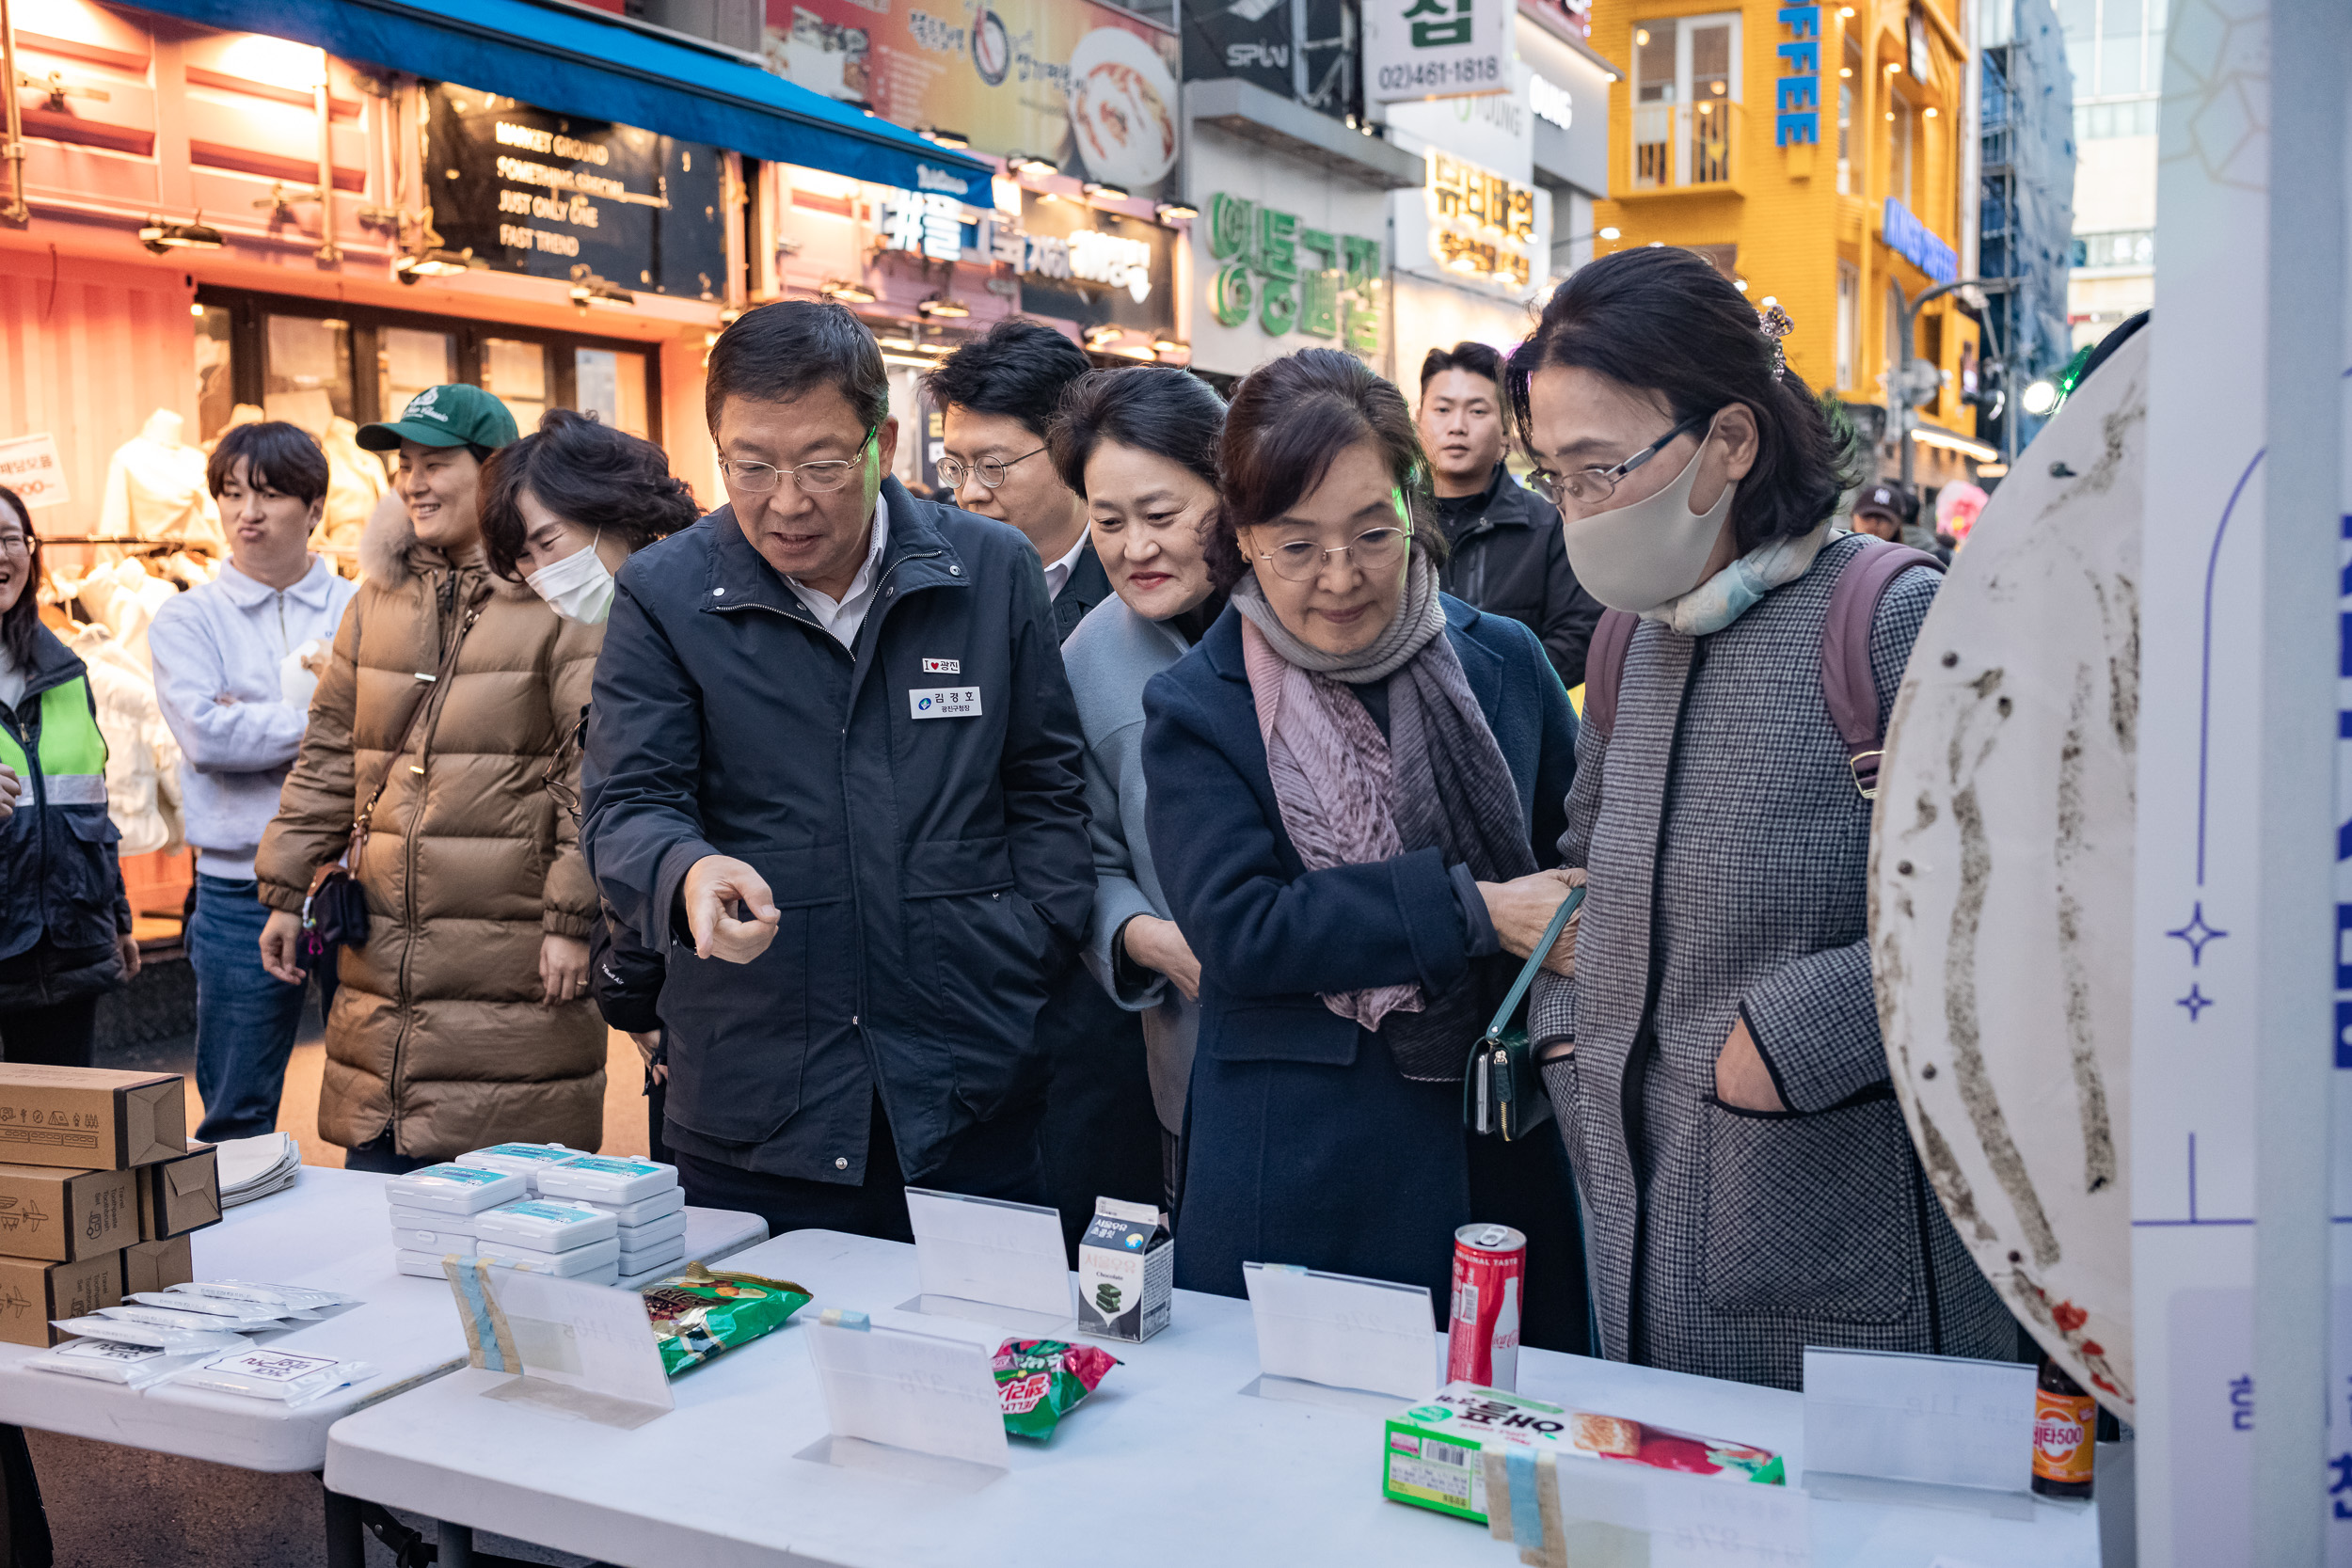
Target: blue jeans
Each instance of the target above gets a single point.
(246, 1021)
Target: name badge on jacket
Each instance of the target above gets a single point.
(946, 701)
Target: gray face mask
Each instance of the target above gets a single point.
(1641, 555)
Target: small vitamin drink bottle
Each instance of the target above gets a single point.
(2065, 1426)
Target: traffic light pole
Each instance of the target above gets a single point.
(1899, 412)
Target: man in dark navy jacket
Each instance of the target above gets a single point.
(831, 747)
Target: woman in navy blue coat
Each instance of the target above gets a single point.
(1355, 784)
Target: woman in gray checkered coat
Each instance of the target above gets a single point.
(1715, 1061)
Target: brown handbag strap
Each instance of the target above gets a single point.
(1604, 669)
(416, 714)
(1849, 687)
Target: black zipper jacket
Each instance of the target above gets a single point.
(1509, 559)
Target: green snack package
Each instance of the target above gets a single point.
(1040, 1381)
(698, 1313)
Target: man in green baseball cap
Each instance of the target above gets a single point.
(451, 415)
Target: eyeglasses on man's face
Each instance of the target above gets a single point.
(1373, 552)
(1589, 487)
(990, 471)
(820, 478)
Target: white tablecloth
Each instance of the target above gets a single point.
(1168, 1462)
(332, 1230)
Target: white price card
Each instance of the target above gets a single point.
(1343, 1332)
(584, 1349)
(930, 1392)
(985, 1250)
(30, 466)
(1938, 1420)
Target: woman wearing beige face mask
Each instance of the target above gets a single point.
(1356, 786)
(1715, 1058)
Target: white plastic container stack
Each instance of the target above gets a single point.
(523, 1160)
(572, 1240)
(643, 1196)
(435, 1211)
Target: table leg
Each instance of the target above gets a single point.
(456, 1543)
(346, 1546)
(24, 1523)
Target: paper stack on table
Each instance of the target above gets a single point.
(256, 1167)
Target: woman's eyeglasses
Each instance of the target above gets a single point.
(816, 478)
(1373, 552)
(990, 471)
(1591, 487)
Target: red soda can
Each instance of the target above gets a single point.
(1490, 1278)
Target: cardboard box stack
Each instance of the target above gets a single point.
(99, 1191)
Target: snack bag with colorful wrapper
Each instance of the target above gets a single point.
(1040, 1381)
(698, 1313)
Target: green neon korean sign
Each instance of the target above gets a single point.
(1293, 278)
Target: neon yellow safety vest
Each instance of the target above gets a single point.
(70, 755)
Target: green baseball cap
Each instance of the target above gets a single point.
(451, 415)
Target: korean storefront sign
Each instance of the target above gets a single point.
(1797, 95)
(1088, 88)
(1293, 278)
(533, 192)
(1091, 267)
(1435, 48)
(1477, 224)
(1911, 240)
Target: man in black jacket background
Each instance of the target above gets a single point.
(1508, 557)
(831, 769)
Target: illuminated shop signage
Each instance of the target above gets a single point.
(1480, 224)
(1291, 277)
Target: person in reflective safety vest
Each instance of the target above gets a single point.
(64, 923)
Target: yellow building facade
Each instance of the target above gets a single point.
(1813, 152)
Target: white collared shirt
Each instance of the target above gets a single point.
(1058, 574)
(842, 617)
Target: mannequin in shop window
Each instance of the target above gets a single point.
(155, 488)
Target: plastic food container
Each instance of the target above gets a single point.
(607, 1178)
(649, 1238)
(405, 1218)
(425, 1265)
(596, 1257)
(455, 1189)
(645, 1210)
(523, 1160)
(434, 1242)
(541, 1225)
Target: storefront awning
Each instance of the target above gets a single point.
(576, 62)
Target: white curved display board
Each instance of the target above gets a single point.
(2001, 881)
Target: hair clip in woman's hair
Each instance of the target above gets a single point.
(1774, 324)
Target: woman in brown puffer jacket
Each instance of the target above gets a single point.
(464, 1019)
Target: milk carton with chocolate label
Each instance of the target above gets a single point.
(1126, 1272)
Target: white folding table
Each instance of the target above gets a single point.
(1168, 1462)
(331, 1229)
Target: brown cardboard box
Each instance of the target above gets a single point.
(89, 1117)
(33, 1292)
(157, 1265)
(61, 1215)
(179, 1194)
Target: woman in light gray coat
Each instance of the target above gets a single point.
(1141, 446)
(1715, 1060)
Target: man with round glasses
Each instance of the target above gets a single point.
(996, 395)
(832, 770)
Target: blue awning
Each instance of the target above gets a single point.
(576, 62)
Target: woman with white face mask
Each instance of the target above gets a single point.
(1749, 1183)
(562, 509)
